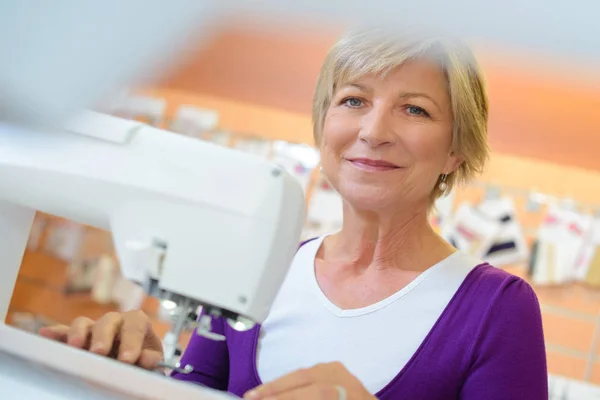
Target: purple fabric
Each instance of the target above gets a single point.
(488, 344)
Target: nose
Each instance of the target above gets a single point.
(376, 128)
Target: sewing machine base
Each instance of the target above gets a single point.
(35, 367)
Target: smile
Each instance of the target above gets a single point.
(369, 165)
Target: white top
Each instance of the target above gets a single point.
(374, 343)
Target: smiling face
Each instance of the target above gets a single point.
(385, 141)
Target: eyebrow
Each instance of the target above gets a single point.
(356, 86)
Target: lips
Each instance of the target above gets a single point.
(368, 164)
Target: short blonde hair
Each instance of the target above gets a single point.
(376, 52)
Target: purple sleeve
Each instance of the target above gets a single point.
(209, 358)
(509, 358)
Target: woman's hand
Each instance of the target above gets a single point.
(330, 381)
(127, 337)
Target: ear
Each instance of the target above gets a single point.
(452, 163)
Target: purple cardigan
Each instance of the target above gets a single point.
(488, 344)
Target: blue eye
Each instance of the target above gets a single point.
(353, 102)
(414, 110)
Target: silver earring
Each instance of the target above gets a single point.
(443, 185)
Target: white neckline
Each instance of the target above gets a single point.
(357, 312)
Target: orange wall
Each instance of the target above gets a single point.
(537, 109)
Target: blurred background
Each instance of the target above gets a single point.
(251, 89)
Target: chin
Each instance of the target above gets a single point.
(368, 198)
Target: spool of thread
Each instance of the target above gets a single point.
(106, 274)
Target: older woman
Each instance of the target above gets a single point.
(384, 308)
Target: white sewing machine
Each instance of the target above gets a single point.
(200, 223)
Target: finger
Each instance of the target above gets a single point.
(133, 334)
(313, 392)
(287, 383)
(149, 359)
(105, 332)
(59, 332)
(80, 332)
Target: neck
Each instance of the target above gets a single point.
(382, 240)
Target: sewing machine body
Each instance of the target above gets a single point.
(32, 367)
(228, 222)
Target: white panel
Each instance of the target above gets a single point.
(67, 54)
